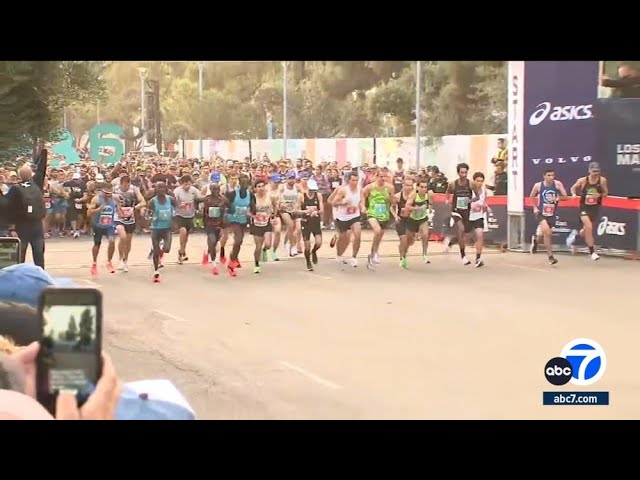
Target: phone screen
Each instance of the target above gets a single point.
(9, 252)
(70, 350)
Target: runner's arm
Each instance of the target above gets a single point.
(252, 204)
(449, 192)
(605, 187)
(230, 196)
(298, 206)
(578, 185)
(534, 197)
(320, 205)
(409, 207)
(562, 190)
(94, 207)
(392, 193)
(141, 202)
(338, 199)
(363, 197)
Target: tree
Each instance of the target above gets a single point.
(72, 330)
(86, 327)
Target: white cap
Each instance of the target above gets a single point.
(99, 178)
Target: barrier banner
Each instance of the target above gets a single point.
(616, 228)
(560, 130)
(619, 129)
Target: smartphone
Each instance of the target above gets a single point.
(70, 356)
(9, 251)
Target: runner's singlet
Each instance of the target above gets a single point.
(379, 204)
(591, 195)
(162, 214)
(421, 210)
(288, 199)
(548, 199)
(239, 208)
(351, 209)
(263, 211)
(128, 203)
(461, 198)
(478, 206)
(104, 219)
(311, 205)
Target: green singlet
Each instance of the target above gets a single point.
(379, 204)
(421, 206)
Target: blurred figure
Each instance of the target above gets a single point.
(499, 180)
(627, 85)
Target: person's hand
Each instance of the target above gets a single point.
(102, 403)
(26, 358)
(13, 233)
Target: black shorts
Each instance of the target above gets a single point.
(591, 211)
(260, 231)
(311, 228)
(464, 218)
(73, 213)
(129, 228)
(383, 223)
(345, 225)
(414, 225)
(551, 221)
(401, 226)
(186, 223)
(475, 224)
(161, 235)
(292, 215)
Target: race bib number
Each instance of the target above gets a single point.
(380, 209)
(106, 220)
(548, 210)
(312, 209)
(240, 211)
(477, 207)
(127, 212)
(47, 204)
(335, 184)
(214, 212)
(351, 210)
(186, 206)
(78, 206)
(164, 215)
(261, 219)
(462, 203)
(420, 211)
(591, 199)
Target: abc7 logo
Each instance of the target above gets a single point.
(558, 371)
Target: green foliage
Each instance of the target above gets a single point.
(33, 96)
(325, 99)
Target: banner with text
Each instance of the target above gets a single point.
(560, 129)
(619, 127)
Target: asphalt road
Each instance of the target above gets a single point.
(438, 341)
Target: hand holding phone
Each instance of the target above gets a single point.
(9, 251)
(70, 356)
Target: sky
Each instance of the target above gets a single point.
(58, 317)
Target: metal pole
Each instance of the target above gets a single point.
(64, 118)
(98, 112)
(200, 85)
(418, 110)
(284, 108)
(143, 110)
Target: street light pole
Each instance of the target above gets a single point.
(200, 85)
(143, 121)
(418, 110)
(98, 112)
(284, 108)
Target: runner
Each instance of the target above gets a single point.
(263, 208)
(237, 218)
(401, 215)
(377, 196)
(459, 196)
(593, 188)
(418, 221)
(312, 209)
(186, 196)
(544, 198)
(348, 203)
(230, 186)
(478, 209)
(161, 210)
(274, 191)
(215, 205)
(287, 204)
(102, 209)
(77, 210)
(129, 199)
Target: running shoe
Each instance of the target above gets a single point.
(231, 272)
(595, 256)
(274, 256)
(465, 261)
(264, 257)
(125, 267)
(121, 266)
(110, 268)
(370, 262)
(205, 258)
(314, 257)
(309, 266)
(156, 277)
(425, 259)
(256, 269)
(94, 270)
(214, 270)
(552, 260)
(479, 263)
(354, 262)
(404, 263)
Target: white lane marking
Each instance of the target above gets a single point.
(312, 274)
(169, 315)
(311, 376)
(524, 267)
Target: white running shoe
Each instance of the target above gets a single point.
(125, 267)
(595, 256)
(354, 262)
(465, 261)
(376, 259)
(121, 266)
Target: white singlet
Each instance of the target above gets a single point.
(351, 209)
(478, 205)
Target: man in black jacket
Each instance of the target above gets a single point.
(628, 85)
(25, 204)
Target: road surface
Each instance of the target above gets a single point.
(439, 341)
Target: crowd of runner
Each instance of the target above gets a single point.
(283, 203)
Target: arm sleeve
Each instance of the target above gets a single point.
(41, 168)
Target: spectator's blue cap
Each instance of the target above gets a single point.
(215, 177)
(153, 400)
(291, 175)
(304, 175)
(275, 178)
(22, 283)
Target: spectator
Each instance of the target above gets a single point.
(498, 183)
(438, 183)
(627, 85)
(502, 154)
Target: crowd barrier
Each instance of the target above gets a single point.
(617, 231)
